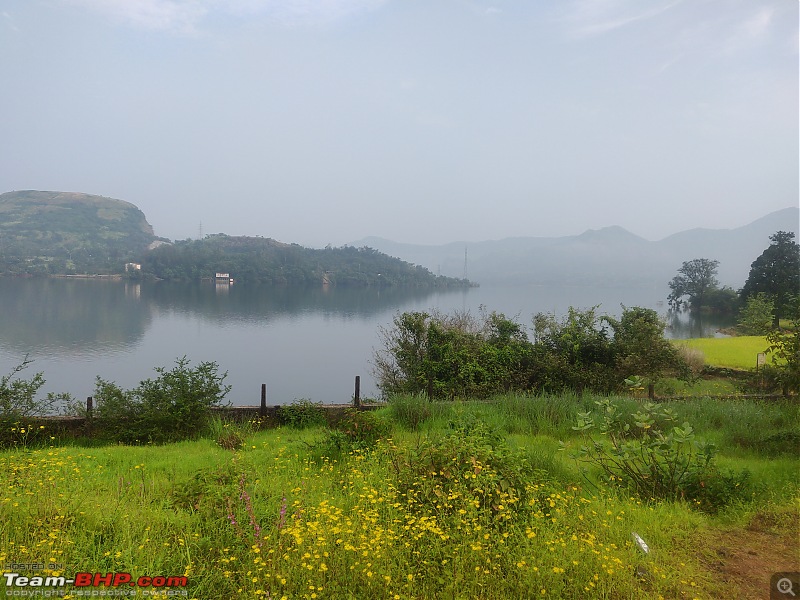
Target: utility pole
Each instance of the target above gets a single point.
(465, 262)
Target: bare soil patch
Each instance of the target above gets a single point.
(743, 560)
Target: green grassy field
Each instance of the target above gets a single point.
(733, 352)
(287, 516)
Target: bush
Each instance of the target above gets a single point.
(784, 345)
(356, 431)
(19, 397)
(469, 470)
(19, 403)
(648, 454)
(363, 428)
(173, 406)
(449, 356)
(230, 435)
(302, 414)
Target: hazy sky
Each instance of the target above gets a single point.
(324, 121)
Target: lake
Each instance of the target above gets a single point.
(302, 342)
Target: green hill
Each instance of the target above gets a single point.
(264, 260)
(62, 232)
(58, 233)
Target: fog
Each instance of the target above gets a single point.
(421, 122)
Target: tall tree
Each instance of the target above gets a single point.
(695, 279)
(776, 273)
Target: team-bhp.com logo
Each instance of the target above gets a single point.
(94, 580)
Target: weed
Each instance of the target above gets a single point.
(302, 413)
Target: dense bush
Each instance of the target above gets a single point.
(175, 405)
(450, 356)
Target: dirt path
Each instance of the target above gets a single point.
(745, 559)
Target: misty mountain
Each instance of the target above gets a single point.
(609, 256)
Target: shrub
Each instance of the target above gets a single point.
(230, 435)
(19, 403)
(784, 345)
(19, 397)
(173, 406)
(469, 470)
(645, 452)
(356, 431)
(302, 414)
(448, 356)
(363, 428)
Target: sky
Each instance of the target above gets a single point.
(325, 121)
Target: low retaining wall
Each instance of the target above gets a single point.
(268, 417)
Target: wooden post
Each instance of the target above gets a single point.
(89, 407)
(357, 394)
(263, 410)
(651, 391)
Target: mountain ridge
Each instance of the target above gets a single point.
(605, 256)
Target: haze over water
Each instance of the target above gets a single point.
(302, 342)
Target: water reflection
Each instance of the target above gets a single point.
(239, 303)
(70, 316)
(684, 325)
(96, 316)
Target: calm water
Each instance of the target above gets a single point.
(301, 342)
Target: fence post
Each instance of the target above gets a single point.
(651, 391)
(357, 394)
(89, 407)
(263, 410)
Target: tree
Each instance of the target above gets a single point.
(756, 317)
(695, 279)
(777, 274)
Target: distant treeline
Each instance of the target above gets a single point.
(263, 260)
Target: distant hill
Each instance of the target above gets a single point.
(64, 232)
(264, 260)
(611, 256)
(56, 233)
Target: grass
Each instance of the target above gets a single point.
(278, 518)
(734, 352)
